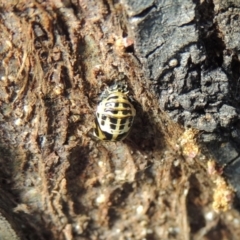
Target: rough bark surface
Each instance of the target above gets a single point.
(180, 61)
(190, 50)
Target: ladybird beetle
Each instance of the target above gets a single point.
(115, 114)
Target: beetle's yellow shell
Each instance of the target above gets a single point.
(115, 114)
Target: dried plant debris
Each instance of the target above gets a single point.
(223, 193)
(188, 143)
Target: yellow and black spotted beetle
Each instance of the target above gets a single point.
(115, 114)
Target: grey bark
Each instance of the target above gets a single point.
(190, 51)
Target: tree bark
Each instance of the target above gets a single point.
(170, 178)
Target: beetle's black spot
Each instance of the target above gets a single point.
(114, 112)
(126, 105)
(113, 120)
(113, 126)
(108, 136)
(121, 127)
(126, 112)
(123, 121)
(102, 123)
(113, 97)
(98, 132)
(112, 104)
(104, 117)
